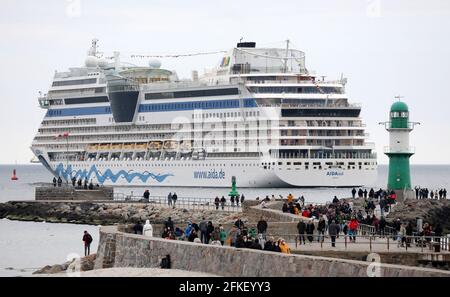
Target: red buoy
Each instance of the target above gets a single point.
(14, 177)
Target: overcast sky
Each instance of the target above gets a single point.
(383, 47)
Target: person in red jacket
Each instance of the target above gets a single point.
(353, 229)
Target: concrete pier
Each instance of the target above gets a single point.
(71, 193)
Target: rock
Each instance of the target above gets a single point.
(84, 264)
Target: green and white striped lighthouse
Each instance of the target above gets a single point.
(399, 150)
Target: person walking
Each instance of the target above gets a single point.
(382, 226)
(353, 229)
(333, 231)
(217, 202)
(401, 236)
(321, 229)
(310, 231)
(242, 199)
(174, 199)
(353, 193)
(301, 227)
(223, 235)
(169, 199)
(59, 181)
(209, 232)
(54, 182)
(203, 230)
(148, 229)
(87, 239)
(222, 202)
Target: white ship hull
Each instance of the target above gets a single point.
(216, 173)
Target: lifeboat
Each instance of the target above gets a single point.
(92, 147)
(141, 146)
(116, 146)
(171, 145)
(155, 146)
(186, 147)
(104, 146)
(129, 146)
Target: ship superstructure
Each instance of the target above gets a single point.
(260, 116)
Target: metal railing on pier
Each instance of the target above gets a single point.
(181, 202)
(388, 243)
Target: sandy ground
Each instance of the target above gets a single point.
(131, 272)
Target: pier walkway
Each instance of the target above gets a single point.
(192, 203)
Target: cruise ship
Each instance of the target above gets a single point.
(260, 116)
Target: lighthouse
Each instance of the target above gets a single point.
(399, 150)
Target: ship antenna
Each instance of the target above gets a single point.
(93, 49)
(399, 97)
(286, 56)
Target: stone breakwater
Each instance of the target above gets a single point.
(432, 211)
(83, 264)
(96, 213)
(118, 249)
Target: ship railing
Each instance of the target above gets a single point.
(174, 86)
(293, 82)
(373, 242)
(294, 105)
(182, 202)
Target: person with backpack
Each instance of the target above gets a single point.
(87, 239)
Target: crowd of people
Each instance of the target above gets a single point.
(425, 193)
(205, 232)
(78, 184)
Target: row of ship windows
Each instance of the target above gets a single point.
(317, 163)
(74, 82)
(179, 106)
(225, 115)
(297, 90)
(222, 165)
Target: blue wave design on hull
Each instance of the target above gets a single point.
(108, 174)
